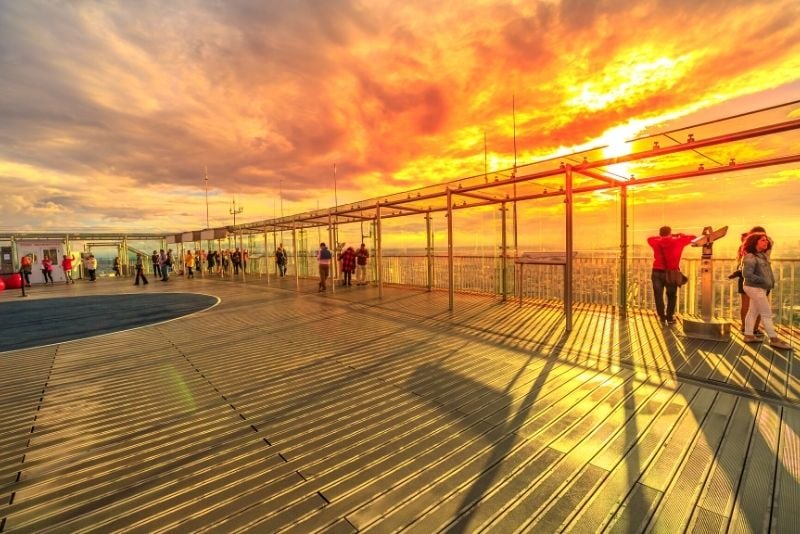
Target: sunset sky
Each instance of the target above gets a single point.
(110, 111)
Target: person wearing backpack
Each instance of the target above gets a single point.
(324, 258)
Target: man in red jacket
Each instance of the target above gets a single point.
(667, 249)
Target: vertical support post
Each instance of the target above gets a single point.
(334, 246)
(331, 237)
(296, 266)
(123, 257)
(568, 260)
(503, 252)
(274, 248)
(429, 249)
(205, 263)
(374, 235)
(241, 255)
(622, 300)
(15, 254)
(450, 273)
(301, 247)
(379, 250)
(266, 254)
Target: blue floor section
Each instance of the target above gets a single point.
(31, 323)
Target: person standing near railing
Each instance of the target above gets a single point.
(362, 256)
(324, 258)
(667, 249)
(758, 282)
(280, 259)
(348, 258)
(745, 305)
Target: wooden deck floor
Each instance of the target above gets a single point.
(284, 410)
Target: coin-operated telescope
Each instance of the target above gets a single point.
(708, 327)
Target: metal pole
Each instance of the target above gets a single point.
(568, 260)
(429, 250)
(503, 252)
(266, 255)
(206, 180)
(514, 173)
(623, 253)
(296, 269)
(335, 194)
(22, 281)
(379, 249)
(374, 248)
(450, 274)
(331, 231)
(125, 263)
(274, 248)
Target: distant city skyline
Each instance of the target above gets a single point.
(111, 112)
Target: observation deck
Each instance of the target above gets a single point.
(283, 409)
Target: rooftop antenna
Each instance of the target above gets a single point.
(336, 207)
(281, 195)
(205, 167)
(514, 172)
(335, 196)
(485, 160)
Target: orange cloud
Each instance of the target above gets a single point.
(137, 99)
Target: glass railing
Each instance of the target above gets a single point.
(596, 281)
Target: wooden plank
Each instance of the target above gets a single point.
(591, 432)
(787, 480)
(719, 491)
(674, 510)
(752, 508)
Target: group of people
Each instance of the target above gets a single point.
(755, 279)
(350, 260)
(26, 267)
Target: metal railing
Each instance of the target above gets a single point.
(596, 281)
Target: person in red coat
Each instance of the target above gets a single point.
(667, 249)
(348, 259)
(66, 264)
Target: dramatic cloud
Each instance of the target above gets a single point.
(111, 111)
